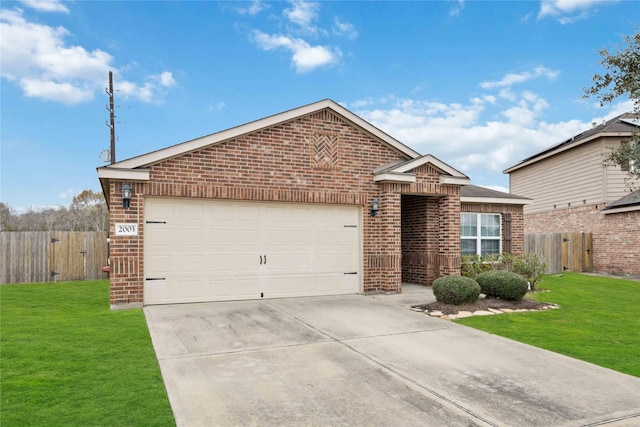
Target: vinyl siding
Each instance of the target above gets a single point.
(569, 179)
(615, 185)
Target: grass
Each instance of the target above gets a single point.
(67, 359)
(598, 321)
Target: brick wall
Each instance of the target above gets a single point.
(318, 158)
(616, 237)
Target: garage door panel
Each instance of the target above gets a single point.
(342, 262)
(226, 250)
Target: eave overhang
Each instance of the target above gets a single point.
(496, 200)
(106, 172)
(620, 210)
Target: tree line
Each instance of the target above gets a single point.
(87, 212)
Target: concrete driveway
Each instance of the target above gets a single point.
(369, 361)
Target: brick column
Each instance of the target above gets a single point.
(126, 284)
(449, 238)
(382, 241)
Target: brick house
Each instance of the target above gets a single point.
(572, 192)
(311, 201)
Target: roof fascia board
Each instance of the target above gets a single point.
(564, 148)
(620, 210)
(235, 132)
(454, 180)
(496, 200)
(394, 177)
(132, 174)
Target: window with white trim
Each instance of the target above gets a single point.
(480, 234)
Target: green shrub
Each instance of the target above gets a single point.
(531, 267)
(503, 284)
(472, 265)
(456, 290)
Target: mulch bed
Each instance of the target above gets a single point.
(484, 304)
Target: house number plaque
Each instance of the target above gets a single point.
(126, 229)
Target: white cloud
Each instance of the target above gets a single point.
(166, 79)
(216, 107)
(255, 7)
(54, 91)
(568, 11)
(457, 8)
(513, 78)
(37, 58)
(303, 13)
(46, 5)
(67, 194)
(459, 133)
(304, 56)
(341, 28)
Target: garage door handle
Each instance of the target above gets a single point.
(155, 278)
(265, 259)
(352, 272)
(260, 259)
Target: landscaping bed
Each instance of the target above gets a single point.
(484, 304)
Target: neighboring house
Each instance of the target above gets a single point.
(311, 201)
(572, 192)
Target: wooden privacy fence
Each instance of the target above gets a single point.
(562, 251)
(52, 256)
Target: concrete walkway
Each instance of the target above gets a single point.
(369, 361)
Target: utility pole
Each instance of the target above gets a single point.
(112, 119)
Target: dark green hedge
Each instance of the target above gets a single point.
(502, 284)
(456, 290)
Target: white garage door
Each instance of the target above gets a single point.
(199, 250)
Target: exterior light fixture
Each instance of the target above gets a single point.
(126, 196)
(375, 207)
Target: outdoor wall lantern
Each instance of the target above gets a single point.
(126, 196)
(375, 207)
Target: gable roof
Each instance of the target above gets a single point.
(623, 125)
(148, 159)
(475, 194)
(630, 202)
(137, 168)
(399, 171)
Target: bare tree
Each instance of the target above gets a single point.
(7, 218)
(87, 212)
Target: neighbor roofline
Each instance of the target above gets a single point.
(607, 211)
(557, 149)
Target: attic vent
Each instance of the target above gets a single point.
(325, 150)
(326, 115)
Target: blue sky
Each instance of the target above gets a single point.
(480, 85)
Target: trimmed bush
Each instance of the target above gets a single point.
(455, 290)
(503, 284)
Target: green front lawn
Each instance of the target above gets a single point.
(599, 321)
(66, 359)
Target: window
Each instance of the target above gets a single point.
(480, 234)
